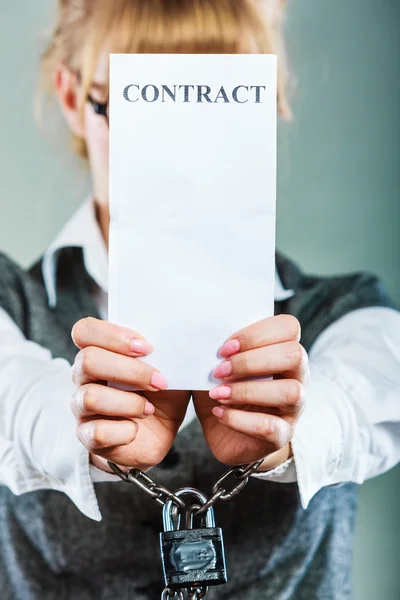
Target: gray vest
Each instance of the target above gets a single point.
(275, 549)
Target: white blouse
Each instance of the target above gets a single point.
(349, 430)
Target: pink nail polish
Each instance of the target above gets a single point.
(149, 409)
(158, 381)
(229, 348)
(140, 346)
(218, 411)
(223, 392)
(223, 370)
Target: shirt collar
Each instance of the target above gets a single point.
(83, 231)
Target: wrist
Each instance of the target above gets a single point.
(276, 459)
(100, 463)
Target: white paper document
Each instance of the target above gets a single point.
(192, 203)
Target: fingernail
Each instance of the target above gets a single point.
(229, 348)
(223, 392)
(149, 409)
(223, 370)
(158, 381)
(218, 411)
(140, 346)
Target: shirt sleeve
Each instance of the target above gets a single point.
(350, 428)
(39, 448)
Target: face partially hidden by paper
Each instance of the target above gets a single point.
(96, 130)
(97, 133)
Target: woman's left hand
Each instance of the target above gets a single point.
(245, 419)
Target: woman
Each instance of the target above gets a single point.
(288, 534)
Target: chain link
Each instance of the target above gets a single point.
(197, 593)
(161, 494)
(168, 593)
(220, 492)
(191, 593)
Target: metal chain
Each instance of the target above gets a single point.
(168, 593)
(197, 593)
(221, 492)
(159, 493)
(162, 494)
(191, 593)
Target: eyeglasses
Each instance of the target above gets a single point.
(100, 108)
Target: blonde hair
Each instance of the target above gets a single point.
(85, 27)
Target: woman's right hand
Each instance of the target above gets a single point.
(131, 429)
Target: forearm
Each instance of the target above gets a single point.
(276, 459)
(349, 430)
(38, 444)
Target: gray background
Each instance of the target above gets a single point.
(339, 181)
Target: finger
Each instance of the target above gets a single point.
(288, 359)
(287, 395)
(273, 430)
(94, 364)
(100, 434)
(94, 332)
(93, 399)
(273, 330)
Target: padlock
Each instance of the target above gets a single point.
(192, 557)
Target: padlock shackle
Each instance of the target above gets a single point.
(186, 491)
